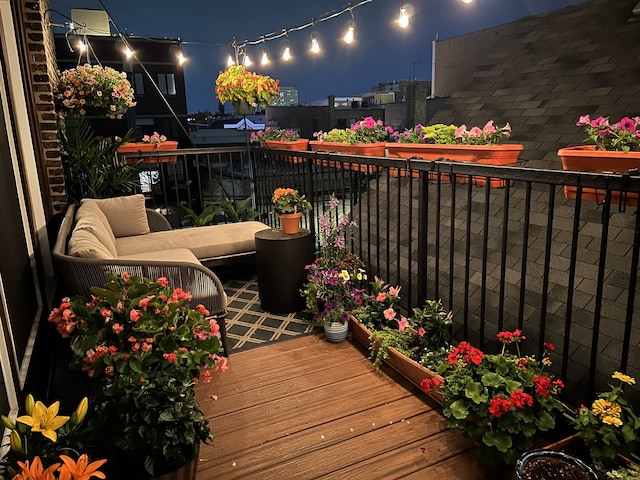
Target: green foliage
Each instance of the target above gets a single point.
(383, 339)
(204, 218)
(625, 472)
(366, 130)
(241, 211)
(438, 133)
(91, 167)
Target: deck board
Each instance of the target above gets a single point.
(306, 408)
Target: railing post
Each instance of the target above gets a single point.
(422, 237)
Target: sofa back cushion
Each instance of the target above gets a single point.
(89, 217)
(83, 243)
(127, 215)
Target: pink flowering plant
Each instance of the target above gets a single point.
(622, 136)
(93, 89)
(367, 130)
(279, 134)
(146, 348)
(156, 138)
(490, 134)
(500, 401)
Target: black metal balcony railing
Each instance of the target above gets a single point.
(521, 256)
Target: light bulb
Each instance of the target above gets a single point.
(265, 58)
(348, 37)
(286, 55)
(230, 61)
(467, 1)
(403, 20)
(128, 53)
(315, 45)
(246, 60)
(181, 59)
(82, 47)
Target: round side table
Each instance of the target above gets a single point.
(280, 262)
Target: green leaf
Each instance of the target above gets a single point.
(501, 440)
(475, 392)
(459, 409)
(545, 421)
(492, 380)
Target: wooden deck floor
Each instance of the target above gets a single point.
(306, 408)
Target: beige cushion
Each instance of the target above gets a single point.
(127, 215)
(170, 256)
(90, 217)
(205, 242)
(85, 244)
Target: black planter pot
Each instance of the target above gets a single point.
(556, 459)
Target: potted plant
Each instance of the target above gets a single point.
(364, 137)
(145, 348)
(91, 167)
(245, 89)
(284, 139)
(500, 401)
(289, 205)
(333, 288)
(43, 444)
(615, 148)
(150, 143)
(93, 90)
(448, 142)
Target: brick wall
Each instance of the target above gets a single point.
(40, 68)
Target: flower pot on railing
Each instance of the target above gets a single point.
(502, 155)
(376, 149)
(149, 147)
(586, 158)
(301, 144)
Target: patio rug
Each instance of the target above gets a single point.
(249, 326)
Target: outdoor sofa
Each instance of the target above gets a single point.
(120, 234)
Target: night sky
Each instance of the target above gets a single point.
(381, 51)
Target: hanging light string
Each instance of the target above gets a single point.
(237, 47)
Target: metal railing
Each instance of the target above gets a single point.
(524, 255)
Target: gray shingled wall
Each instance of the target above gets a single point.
(540, 74)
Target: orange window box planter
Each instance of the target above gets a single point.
(149, 147)
(502, 155)
(301, 144)
(362, 149)
(586, 158)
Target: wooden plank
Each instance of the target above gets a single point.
(306, 408)
(463, 466)
(260, 456)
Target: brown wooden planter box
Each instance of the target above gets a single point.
(410, 369)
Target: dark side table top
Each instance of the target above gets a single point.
(272, 234)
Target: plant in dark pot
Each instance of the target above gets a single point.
(145, 347)
(552, 465)
(500, 401)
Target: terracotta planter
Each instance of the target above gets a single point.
(149, 147)
(362, 149)
(302, 144)
(586, 158)
(502, 155)
(290, 222)
(410, 369)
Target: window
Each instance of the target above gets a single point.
(138, 84)
(167, 83)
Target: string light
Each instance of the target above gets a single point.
(128, 53)
(265, 57)
(315, 44)
(348, 37)
(230, 60)
(286, 55)
(467, 1)
(246, 61)
(403, 20)
(181, 59)
(82, 47)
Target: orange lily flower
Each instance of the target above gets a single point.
(80, 470)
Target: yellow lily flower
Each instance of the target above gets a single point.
(81, 411)
(80, 470)
(29, 403)
(15, 441)
(45, 420)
